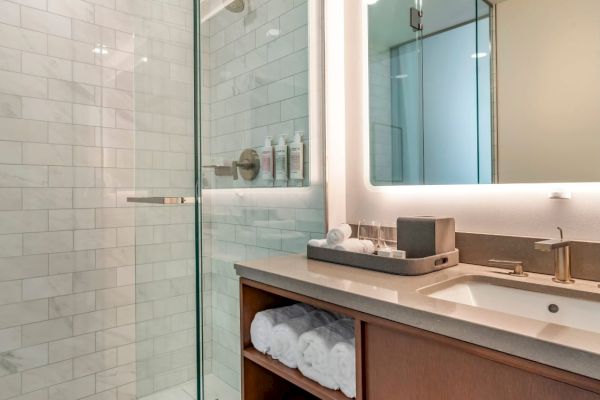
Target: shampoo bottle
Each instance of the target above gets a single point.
(266, 160)
(281, 159)
(297, 157)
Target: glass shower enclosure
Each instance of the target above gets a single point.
(99, 276)
(117, 235)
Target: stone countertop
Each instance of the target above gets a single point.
(398, 298)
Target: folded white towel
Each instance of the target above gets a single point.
(314, 349)
(338, 235)
(343, 367)
(262, 325)
(356, 246)
(318, 242)
(284, 343)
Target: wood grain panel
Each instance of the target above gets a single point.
(266, 385)
(418, 368)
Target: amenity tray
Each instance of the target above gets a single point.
(396, 266)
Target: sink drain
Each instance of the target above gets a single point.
(553, 308)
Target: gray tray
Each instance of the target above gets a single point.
(409, 266)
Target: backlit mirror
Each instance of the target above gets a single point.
(475, 92)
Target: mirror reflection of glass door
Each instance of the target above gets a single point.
(395, 95)
(430, 93)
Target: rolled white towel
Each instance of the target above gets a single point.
(262, 325)
(314, 350)
(317, 242)
(338, 235)
(284, 343)
(356, 246)
(343, 367)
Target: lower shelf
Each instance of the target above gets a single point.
(292, 375)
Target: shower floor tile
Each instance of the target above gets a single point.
(215, 389)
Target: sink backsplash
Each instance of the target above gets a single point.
(478, 248)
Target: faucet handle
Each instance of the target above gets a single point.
(552, 244)
(517, 266)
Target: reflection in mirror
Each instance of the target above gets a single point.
(447, 107)
(548, 54)
(430, 93)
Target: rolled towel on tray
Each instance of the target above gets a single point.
(318, 243)
(356, 246)
(262, 325)
(314, 350)
(284, 343)
(343, 367)
(337, 235)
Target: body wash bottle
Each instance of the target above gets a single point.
(297, 157)
(266, 160)
(281, 159)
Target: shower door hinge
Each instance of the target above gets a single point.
(416, 19)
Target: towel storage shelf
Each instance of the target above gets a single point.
(292, 375)
(394, 359)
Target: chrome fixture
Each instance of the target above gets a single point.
(236, 6)
(221, 170)
(517, 267)
(248, 165)
(416, 19)
(163, 200)
(562, 257)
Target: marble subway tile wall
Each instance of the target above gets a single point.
(78, 94)
(256, 79)
(255, 84)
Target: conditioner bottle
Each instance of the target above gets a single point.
(281, 159)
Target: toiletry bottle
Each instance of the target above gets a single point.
(281, 159)
(266, 160)
(297, 157)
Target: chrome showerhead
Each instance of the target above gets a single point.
(236, 6)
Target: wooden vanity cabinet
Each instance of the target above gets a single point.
(398, 362)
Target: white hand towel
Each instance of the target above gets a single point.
(262, 325)
(356, 246)
(338, 235)
(343, 367)
(314, 349)
(284, 345)
(317, 242)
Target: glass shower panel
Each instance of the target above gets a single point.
(255, 84)
(395, 94)
(456, 94)
(163, 148)
(97, 295)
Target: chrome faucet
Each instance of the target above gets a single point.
(562, 257)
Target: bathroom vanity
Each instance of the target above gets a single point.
(419, 337)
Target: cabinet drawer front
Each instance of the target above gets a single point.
(402, 364)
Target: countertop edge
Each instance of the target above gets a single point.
(566, 358)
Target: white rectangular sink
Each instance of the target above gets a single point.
(572, 308)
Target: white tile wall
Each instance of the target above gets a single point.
(77, 93)
(255, 83)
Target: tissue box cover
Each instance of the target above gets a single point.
(425, 236)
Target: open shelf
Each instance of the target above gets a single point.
(292, 375)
